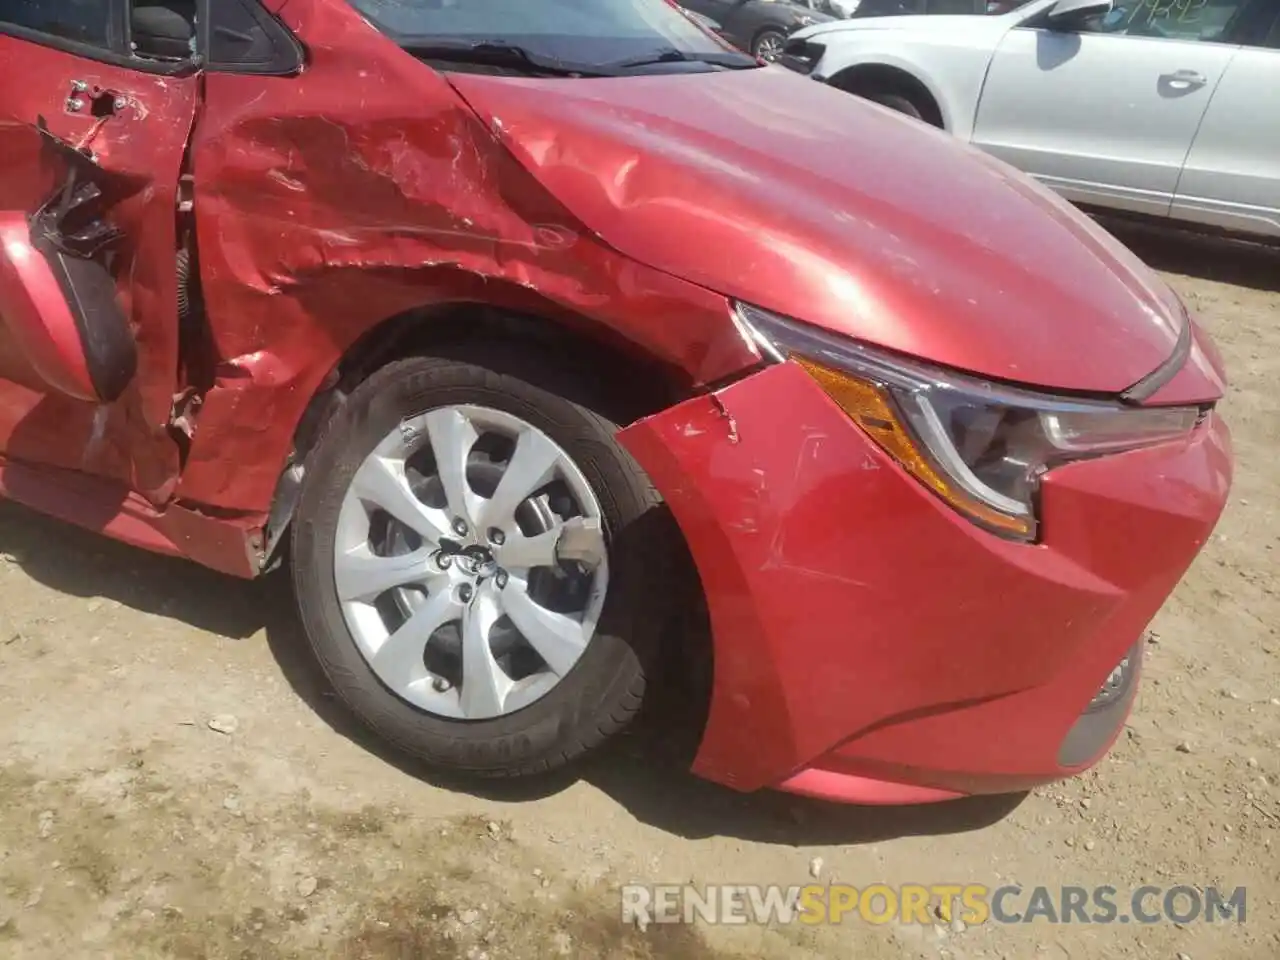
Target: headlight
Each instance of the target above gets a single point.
(981, 446)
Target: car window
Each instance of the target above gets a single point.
(1274, 37)
(956, 7)
(832, 8)
(81, 21)
(244, 38)
(1206, 20)
(584, 31)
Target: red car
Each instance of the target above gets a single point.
(523, 329)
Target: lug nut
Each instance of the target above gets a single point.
(460, 527)
(444, 561)
(497, 537)
(465, 593)
(440, 684)
(500, 578)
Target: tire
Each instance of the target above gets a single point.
(896, 101)
(605, 688)
(766, 40)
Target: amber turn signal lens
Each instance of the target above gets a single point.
(870, 407)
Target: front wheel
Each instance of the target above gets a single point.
(768, 45)
(480, 567)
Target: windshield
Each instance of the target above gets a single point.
(581, 31)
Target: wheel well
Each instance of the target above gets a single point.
(629, 385)
(881, 78)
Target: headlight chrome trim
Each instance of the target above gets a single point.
(981, 445)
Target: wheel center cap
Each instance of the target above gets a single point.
(476, 561)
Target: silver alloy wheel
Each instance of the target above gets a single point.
(470, 562)
(769, 47)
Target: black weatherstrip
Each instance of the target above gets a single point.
(1149, 385)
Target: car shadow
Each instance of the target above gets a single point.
(1054, 48)
(1228, 260)
(645, 770)
(80, 563)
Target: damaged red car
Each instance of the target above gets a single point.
(525, 330)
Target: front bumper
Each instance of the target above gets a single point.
(873, 646)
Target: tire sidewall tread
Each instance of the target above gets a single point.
(605, 689)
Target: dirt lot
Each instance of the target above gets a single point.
(130, 828)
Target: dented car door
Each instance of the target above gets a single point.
(92, 138)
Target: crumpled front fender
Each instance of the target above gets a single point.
(366, 189)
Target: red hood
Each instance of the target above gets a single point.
(777, 190)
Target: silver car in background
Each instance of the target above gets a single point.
(1168, 108)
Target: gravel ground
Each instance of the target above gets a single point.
(177, 782)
